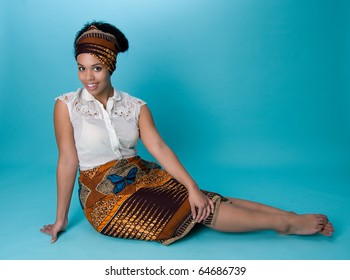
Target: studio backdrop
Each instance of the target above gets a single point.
(252, 95)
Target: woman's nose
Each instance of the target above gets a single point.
(89, 75)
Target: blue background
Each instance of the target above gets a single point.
(252, 95)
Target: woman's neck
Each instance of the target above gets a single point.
(103, 96)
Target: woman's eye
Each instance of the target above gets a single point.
(97, 68)
(81, 68)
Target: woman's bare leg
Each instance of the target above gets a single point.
(232, 218)
(258, 206)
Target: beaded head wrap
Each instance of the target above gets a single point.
(102, 45)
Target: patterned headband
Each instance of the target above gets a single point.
(103, 46)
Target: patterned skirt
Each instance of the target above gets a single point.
(134, 198)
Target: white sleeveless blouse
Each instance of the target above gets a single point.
(102, 135)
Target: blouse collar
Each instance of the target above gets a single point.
(89, 97)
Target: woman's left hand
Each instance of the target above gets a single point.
(201, 205)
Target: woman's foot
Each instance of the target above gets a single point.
(327, 230)
(308, 224)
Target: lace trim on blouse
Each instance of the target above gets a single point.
(127, 108)
(87, 109)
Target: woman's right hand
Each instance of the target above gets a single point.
(201, 205)
(54, 229)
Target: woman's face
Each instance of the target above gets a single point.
(93, 75)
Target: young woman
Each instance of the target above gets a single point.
(97, 129)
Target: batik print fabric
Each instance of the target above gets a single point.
(133, 198)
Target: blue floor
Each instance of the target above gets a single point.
(33, 204)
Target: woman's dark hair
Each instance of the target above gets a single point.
(123, 44)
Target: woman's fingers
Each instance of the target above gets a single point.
(201, 207)
(205, 211)
(194, 212)
(208, 209)
(54, 237)
(54, 229)
(200, 214)
(50, 230)
(47, 229)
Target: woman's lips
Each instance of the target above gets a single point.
(91, 86)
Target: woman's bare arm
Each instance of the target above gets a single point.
(154, 143)
(66, 169)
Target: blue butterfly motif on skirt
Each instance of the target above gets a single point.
(121, 182)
